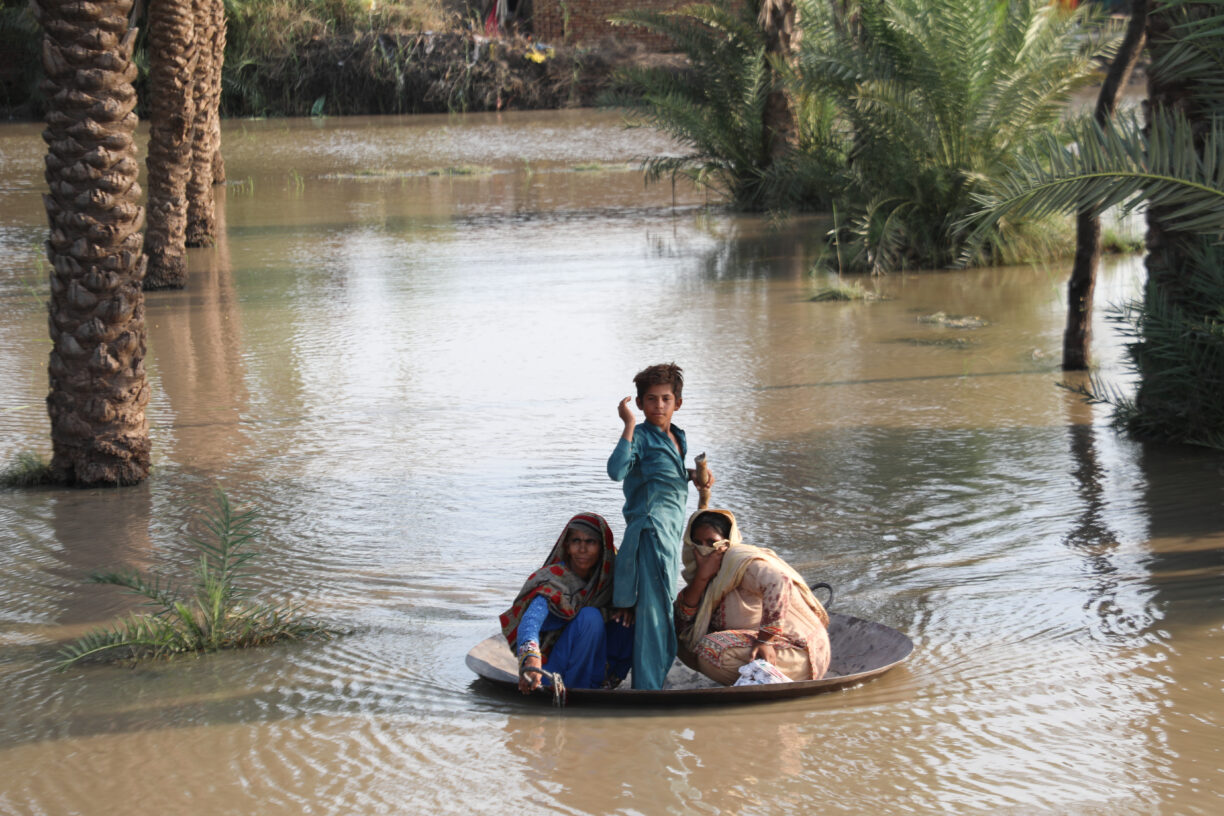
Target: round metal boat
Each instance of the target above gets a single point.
(860, 650)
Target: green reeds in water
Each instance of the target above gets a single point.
(26, 470)
(843, 292)
(1119, 242)
(460, 170)
(214, 614)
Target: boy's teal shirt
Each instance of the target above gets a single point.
(656, 495)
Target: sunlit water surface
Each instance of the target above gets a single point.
(413, 374)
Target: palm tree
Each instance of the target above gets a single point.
(172, 63)
(214, 91)
(1077, 336)
(746, 138)
(1173, 165)
(777, 20)
(938, 96)
(1180, 352)
(206, 132)
(98, 390)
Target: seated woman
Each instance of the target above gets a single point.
(741, 603)
(559, 621)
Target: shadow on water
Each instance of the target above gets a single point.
(1183, 503)
(120, 538)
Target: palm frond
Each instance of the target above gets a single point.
(940, 97)
(156, 590)
(129, 636)
(1090, 168)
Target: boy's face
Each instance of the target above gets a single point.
(659, 403)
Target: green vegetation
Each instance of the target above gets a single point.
(214, 614)
(21, 43)
(339, 57)
(904, 109)
(260, 28)
(843, 292)
(939, 96)
(1174, 168)
(1118, 242)
(1085, 166)
(27, 469)
(1179, 351)
(270, 42)
(716, 108)
(460, 170)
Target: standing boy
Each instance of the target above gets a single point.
(649, 458)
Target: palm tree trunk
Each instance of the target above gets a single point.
(214, 88)
(778, 24)
(1077, 337)
(206, 132)
(98, 388)
(218, 168)
(1181, 399)
(172, 58)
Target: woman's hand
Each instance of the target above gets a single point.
(623, 616)
(529, 682)
(766, 652)
(707, 566)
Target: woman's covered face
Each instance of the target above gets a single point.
(582, 550)
(707, 539)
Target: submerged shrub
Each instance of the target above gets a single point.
(214, 614)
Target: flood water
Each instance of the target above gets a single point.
(414, 378)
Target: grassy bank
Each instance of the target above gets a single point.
(340, 57)
(424, 72)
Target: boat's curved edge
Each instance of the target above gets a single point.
(506, 680)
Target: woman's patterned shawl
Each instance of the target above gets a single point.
(735, 562)
(565, 592)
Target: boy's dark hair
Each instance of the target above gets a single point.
(661, 374)
(716, 520)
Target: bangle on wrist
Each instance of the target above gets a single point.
(527, 650)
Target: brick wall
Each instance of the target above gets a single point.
(570, 22)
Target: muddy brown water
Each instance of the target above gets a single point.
(414, 377)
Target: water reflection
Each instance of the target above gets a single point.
(196, 346)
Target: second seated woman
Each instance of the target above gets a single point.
(742, 602)
(559, 620)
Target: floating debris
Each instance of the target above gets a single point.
(939, 342)
(953, 321)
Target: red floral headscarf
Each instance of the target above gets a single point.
(565, 592)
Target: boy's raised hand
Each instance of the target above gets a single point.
(626, 414)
